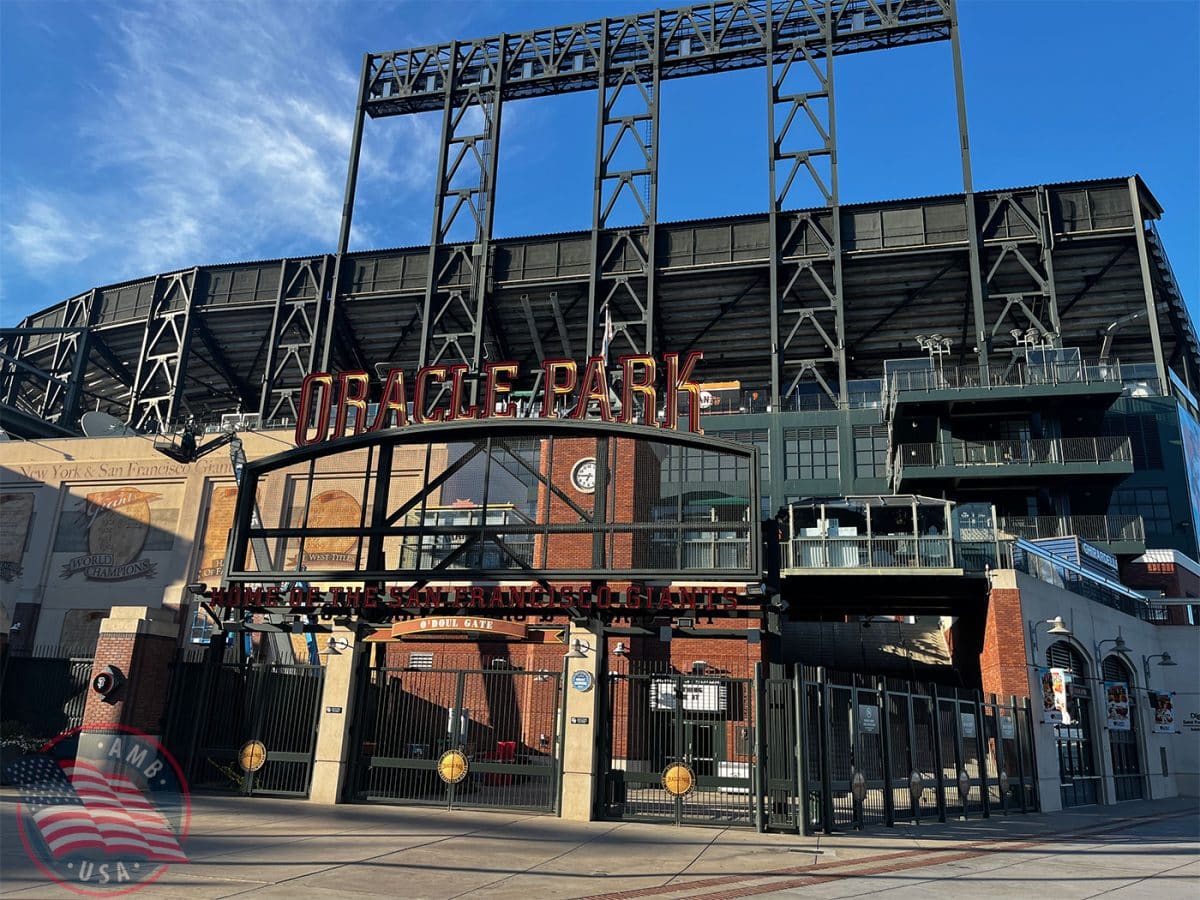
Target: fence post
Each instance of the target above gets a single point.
(799, 708)
(985, 800)
(1037, 798)
(826, 774)
(937, 753)
(761, 717)
(1012, 708)
(889, 802)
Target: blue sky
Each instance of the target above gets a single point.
(142, 137)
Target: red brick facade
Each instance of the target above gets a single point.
(1002, 664)
(145, 661)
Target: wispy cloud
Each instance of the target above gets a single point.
(218, 131)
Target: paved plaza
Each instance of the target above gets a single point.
(264, 848)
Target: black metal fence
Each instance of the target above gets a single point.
(218, 709)
(870, 750)
(811, 750)
(43, 693)
(505, 723)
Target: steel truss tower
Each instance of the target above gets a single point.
(625, 60)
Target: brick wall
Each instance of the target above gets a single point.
(1002, 663)
(145, 661)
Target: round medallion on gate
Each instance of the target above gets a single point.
(452, 766)
(252, 756)
(964, 785)
(1004, 783)
(678, 780)
(858, 786)
(916, 785)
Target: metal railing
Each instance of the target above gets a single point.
(889, 552)
(968, 454)
(958, 378)
(1045, 566)
(869, 552)
(1106, 529)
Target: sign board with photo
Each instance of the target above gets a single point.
(1164, 712)
(1054, 696)
(1116, 703)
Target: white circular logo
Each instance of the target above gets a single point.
(583, 475)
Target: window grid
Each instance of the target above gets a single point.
(811, 453)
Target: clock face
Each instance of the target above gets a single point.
(583, 475)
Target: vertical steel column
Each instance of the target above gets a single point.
(456, 284)
(616, 306)
(162, 364)
(814, 314)
(347, 213)
(73, 399)
(972, 226)
(1139, 229)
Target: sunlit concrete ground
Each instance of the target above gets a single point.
(274, 848)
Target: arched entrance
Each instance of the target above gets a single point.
(1121, 706)
(1078, 775)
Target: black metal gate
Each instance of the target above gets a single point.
(245, 727)
(506, 724)
(868, 750)
(658, 722)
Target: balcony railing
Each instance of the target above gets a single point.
(970, 454)
(888, 552)
(959, 378)
(1104, 529)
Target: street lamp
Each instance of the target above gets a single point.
(579, 649)
(1118, 643)
(1057, 627)
(1164, 659)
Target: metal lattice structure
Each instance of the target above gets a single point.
(792, 302)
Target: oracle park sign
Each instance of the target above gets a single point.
(335, 405)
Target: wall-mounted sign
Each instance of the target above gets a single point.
(868, 719)
(967, 724)
(459, 624)
(1116, 704)
(332, 406)
(544, 598)
(1008, 727)
(582, 681)
(579, 720)
(697, 696)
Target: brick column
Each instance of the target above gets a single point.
(140, 642)
(1002, 663)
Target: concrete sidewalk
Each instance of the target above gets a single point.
(276, 848)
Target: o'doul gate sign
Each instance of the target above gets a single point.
(459, 625)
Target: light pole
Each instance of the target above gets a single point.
(1164, 659)
(1057, 627)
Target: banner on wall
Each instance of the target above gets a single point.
(1164, 712)
(1116, 702)
(116, 534)
(222, 499)
(16, 512)
(1054, 696)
